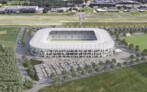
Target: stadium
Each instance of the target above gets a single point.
(71, 42)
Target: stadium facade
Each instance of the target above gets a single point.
(72, 42)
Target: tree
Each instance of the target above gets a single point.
(52, 75)
(74, 74)
(79, 68)
(108, 61)
(124, 42)
(131, 46)
(94, 65)
(125, 63)
(97, 69)
(117, 37)
(137, 55)
(105, 68)
(144, 52)
(132, 62)
(87, 67)
(46, 9)
(137, 60)
(112, 66)
(65, 77)
(131, 57)
(100, 63)
(57, 79)
(82, 72)
(64, 72)
(28, 84)
(72, 70)
(137, 48)
(90, 71)
(118, 64)
(113, 61)
(143, 59)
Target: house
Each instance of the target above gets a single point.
(142, 11)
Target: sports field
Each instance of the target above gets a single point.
(130, 79)
(140, 40)
(8, 36)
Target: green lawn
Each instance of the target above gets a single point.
(140, 40)
(34, 62)
(39, 17)
(8, 39)
(131, 79)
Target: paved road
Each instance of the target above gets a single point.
(47, 21)
(18, 54)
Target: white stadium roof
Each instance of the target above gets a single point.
(41, 40)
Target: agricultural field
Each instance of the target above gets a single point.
(8, 36)
(140, 40)
(130, 79)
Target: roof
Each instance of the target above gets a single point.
(18, 8)
(40, 40)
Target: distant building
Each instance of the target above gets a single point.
(58, 9)
(101, 10)
(18, 8)
(102, 3)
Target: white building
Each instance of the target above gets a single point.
(72, 42)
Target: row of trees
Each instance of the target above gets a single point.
(94, 68)
(10, 77)
(29, 66)
(23, 37)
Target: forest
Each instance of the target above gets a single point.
(10, 77)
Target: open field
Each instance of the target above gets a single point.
(9, 38)
(140, 40)
(133, 15)
(131, 79)
(39, 17)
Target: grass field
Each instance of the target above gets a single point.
(131, 79)
(9, 38)
(134, 15)
(140, 40)
(71, 24)
(39, 17)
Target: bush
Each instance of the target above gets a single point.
(28, 84)
(46, 9)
